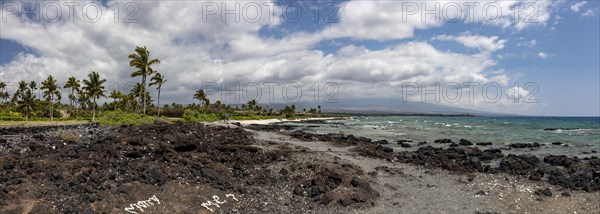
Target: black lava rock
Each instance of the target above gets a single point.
(544, 192)
(404, 145)
(464, 142)
(443, 141)
(525, 145)
(519, 164)
(8, 166)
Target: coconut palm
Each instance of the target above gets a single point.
(27, 103)
(252, 105)
(73, 84)
(3, 94)
(94, 89)
(20, 90)
(33, 85)
(206, 102)
(116, 95)
(136, 92)
(141, 60)
(200, 95)
(51, 93)
(83, 99)
(158, 80)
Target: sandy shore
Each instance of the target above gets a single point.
(272, 121)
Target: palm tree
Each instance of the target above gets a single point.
(252, 105)
(94, 89)
(128, 102)
(200, 95)
(27, 103)
(141, 60)
(206, 102)
(83, 99)
(20, 90)
(50, 93)
(33, 85)
(115, 95)
(158, 79)
(136, 92)
(3, 94)
(73, 84)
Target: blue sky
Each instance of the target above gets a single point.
(365, 47)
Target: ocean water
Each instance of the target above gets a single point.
(580, 135)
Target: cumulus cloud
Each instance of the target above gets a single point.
(378, 20)
(528, 44)
(502, 13)
(195, 48)
(543, 55)
(517, 93)
(484, 43)
(577, 6)
(589, 13)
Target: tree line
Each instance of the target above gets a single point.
(83, 95)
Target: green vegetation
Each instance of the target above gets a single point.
(133, 107)
(94, 88)
(27, 103)
(51, 93)
(196, 116)
(158, 80)
(41, 123)
(68, 136)
(114, 118)
(141, 61)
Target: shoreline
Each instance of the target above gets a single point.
(273, 121)
(100, 168)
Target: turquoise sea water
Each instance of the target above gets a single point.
(580, 134)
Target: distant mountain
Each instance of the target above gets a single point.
(384, 106)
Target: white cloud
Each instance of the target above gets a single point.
(517, 93)
(502, 13)
(193, 51)
(543, 55)
(577, 6)
(589, 13)
(528, 44)
(378, 20)
(484, 43)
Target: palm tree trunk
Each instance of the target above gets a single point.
(158, 102)
(72, 107)
(51, 107)
(94, 110)
(144, 95)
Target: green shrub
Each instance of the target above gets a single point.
(114, 118)
(68, 135)
(9, 118)
(195, 116)
(7, 115)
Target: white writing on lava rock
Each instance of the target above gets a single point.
(215, 202)
(142, 204)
